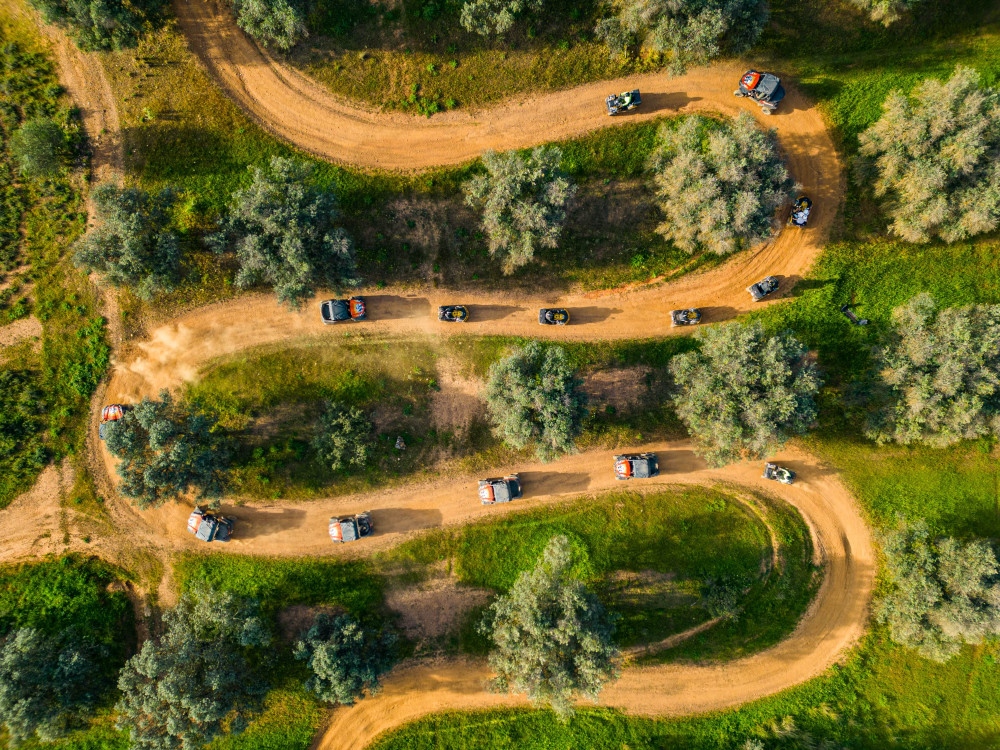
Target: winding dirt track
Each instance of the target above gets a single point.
(298, 110)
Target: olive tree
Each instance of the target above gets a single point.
(935, 157)
(132, 242)
(524, 200)
(167, 449)
(44, 680)
(533, 396)
(283, 230)
(944, 592)
(488, 17)
(101, 24)
(940, 375)
(886, 12)
(277, 23)
(38, 147)
(343, 437)
(551, 637)
(718, 184)
(345, 659)
(691, 32)
(743, 393)
(195, 681)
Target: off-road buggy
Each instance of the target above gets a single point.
(553, 317)
(762, 288)
(109, 415)
(779, 474)
(351, 528)
(849, 314)
(209, 527)
(689, 317)
(763, 88)
(500, 489)
(800, 211)
(623, 102)
(636, 466)
(339, 310)
(453, 313)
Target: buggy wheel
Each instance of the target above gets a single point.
(766, 111)
(739, 93)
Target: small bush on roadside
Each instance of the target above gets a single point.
(38, 147)
(487, 17)
(101, 24)
(343, 437)
(886, 12)
(278, 23)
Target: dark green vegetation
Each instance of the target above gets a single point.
(39, 219)
(551, 636)
(167, 449)
(101, 24)
(37, 148)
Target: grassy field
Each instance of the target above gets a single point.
(38, 222)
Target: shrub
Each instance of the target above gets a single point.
(44, 680)
(945, 593)
(524, 200)
(886, 12)
(195, 681)
(533, 396)
(743, 393)
(101, 24)
(551, 637)
(936, 158)
(487, 17)
(343, 437)
(38, 147)
(167, 450)
(718, 185)
(691, 32)
(283, 230)
(940, 370)
(132, 243)
(277, 23)
(346, 660)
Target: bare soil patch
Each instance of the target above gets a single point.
(19, 330)
(294, 621)
(622, 388)
(434, 608)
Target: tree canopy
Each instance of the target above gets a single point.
(945, 592)
(101, 24)
(38, 147)
(551, 637)
(935, 157)
(691, 32)
(488, 17)
(44, 680)
(886, 12)
(743, 393)
(718, 184)
(524, 200)
(282, 228)
(195, 681)
(165, 450)
(346, 659)
(277, 23)
(343, 437)
(940, 370)
(132, 242)
(533, 396)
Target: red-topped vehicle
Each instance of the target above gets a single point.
(109, 415)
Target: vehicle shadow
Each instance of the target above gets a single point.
(536, 483)
(717, 313)
(591, 314)
(491, 312)
(401, 520)
(254, 523)
(394, 307)
(663, 101)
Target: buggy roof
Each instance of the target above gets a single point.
(642, 468)
(767, 86)
(338, 309)
(345, 529)
(495, 489)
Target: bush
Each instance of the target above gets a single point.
(743, 394)
(940, 370)
(524, 200)
(283, 230)
(936, 158)
(38, 147)
(44, 681)
(343, 437)
(718, 185)
(691, 32)
(552, 637)
(533, 396)
(195, 681)
(487, 17)
(944, 593)
(101, 24)
(346, 660)
(272, 22)
(886, 12)
(167, 450)
(132, 242)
